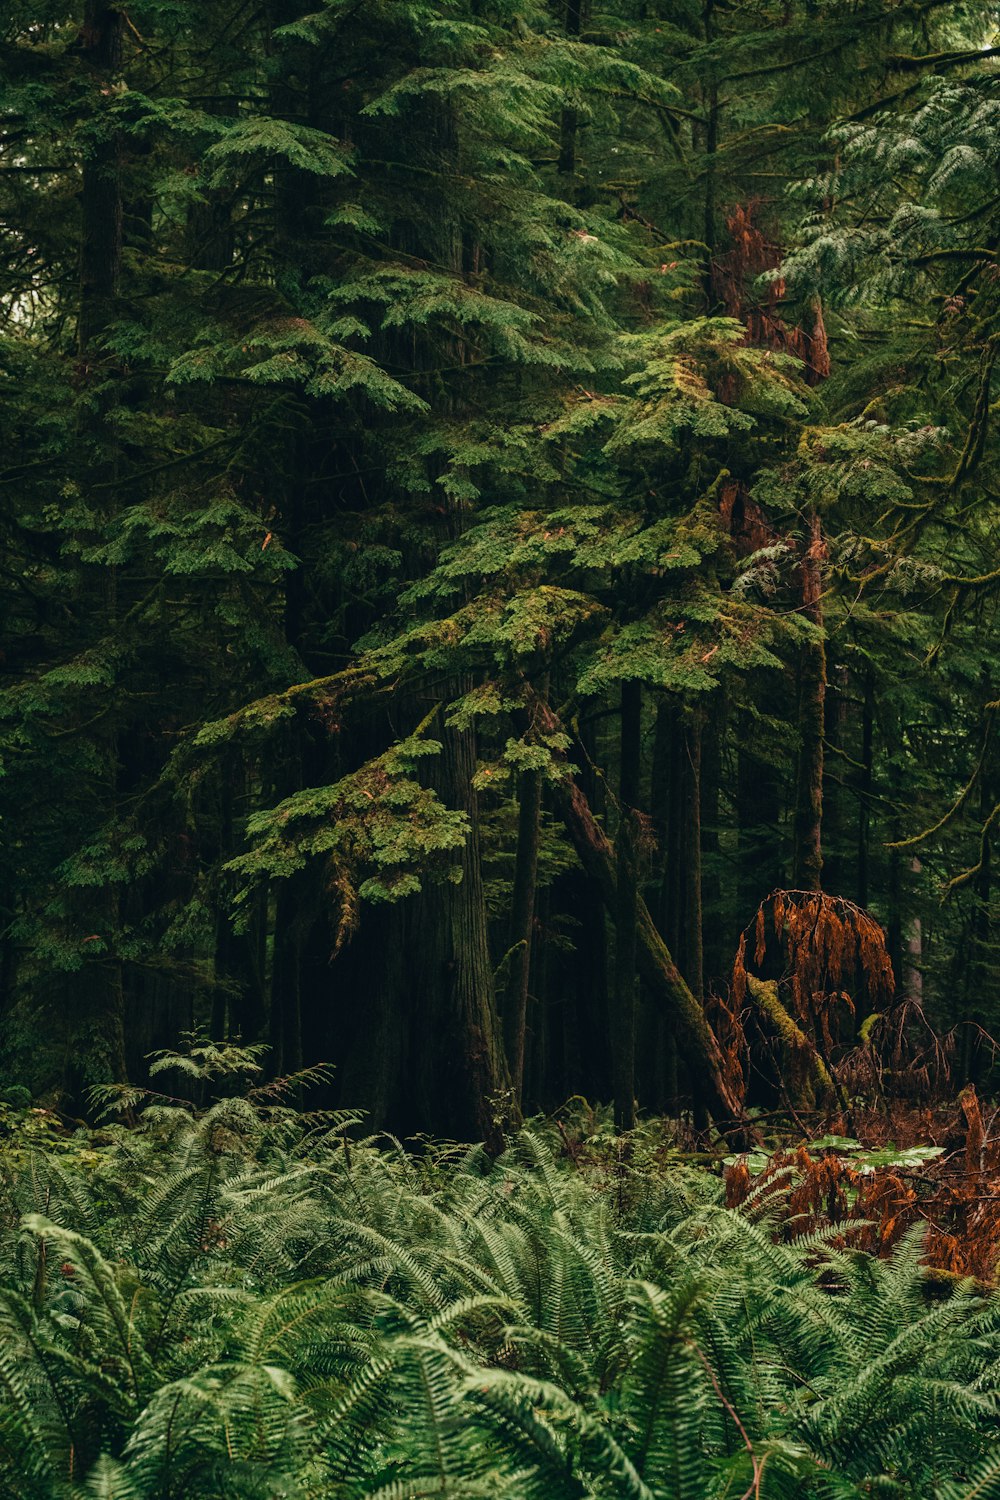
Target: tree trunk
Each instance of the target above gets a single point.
(694, 961)
(101, 196)
(657, 969)
(913, 963)
(665, 810)
(522, 921)
(583, 988)
(807, 864)
(626, 908)
(760, 866)
(716, 955)
(710, 98)
(569, 122)
(96, 1007)
(865, 781)
(461, 1085)
(834, 820)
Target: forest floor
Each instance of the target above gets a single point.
(243, 1300)
(871, 1172)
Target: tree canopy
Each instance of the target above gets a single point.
(499, 506)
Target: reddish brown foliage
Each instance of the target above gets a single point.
(956, 1194)
(829, 951)
(744, 519)
(751, 255)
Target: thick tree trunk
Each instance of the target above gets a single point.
(569, 122)
(460, 1079)
(369, 1020)
(807, 868)
(95, 1032)
(760, 866)
(657, 968)
(100, 46)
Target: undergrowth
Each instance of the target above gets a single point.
(248, 1300)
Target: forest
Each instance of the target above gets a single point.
(499, 778)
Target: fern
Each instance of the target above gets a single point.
(256, 1311)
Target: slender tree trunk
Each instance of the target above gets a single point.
(209, 236)
(240, 1005)
(759, 866)
(865, 781)
(673, 889)
(284, 1007)
(979, 961)
(808, 855)
(585, 991)
(626, 908)
(657, 1056)
(522, 921)
(657, 968)
(913, 966)
(834, 862)
(716, 955)
(894, 925)
(711, 113)
(694, 964)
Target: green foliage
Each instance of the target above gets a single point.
(246, 1301)
(358, 360)
(379, 824)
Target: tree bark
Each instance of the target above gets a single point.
(694, 953)
(95, 1037)
(913, 970)
(626, 908)
(100, 45)
(710, 102)
(460, 1077)
(716, 956)
(865, 787)
(522, 921)
(807, 868)
(760, 865)
(657, 968)
(569, 121)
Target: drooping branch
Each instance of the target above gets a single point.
(695, 1038)
(827, 948)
